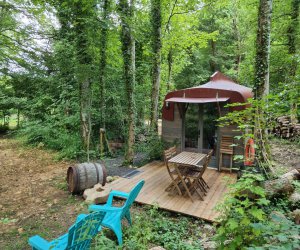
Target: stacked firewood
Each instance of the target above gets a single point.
(286, 128)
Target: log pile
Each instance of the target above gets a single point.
(286, 128)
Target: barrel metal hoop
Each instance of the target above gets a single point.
(97, 172)
(104, 172)
(75, 179)
(86, 175)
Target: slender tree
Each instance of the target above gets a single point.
(263, 49)
(83, 12)
(156, 64)
(292, 50)
(262, 76)
(128, 49)
(170, 65)
(103, 47)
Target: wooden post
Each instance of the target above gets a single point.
(182, 106)
(102, 135)
(200, 128)
(218, 155)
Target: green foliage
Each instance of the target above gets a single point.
(158, 229)
(280, 233)
(3, 128)
(260, 115)
(43, 134)
(248, 219)
(241, 212)
(151, 144)
(101, 242)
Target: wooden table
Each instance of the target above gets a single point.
(188, 159)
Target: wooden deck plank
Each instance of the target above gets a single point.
(157, 179)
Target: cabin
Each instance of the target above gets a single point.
(189, 121)
(189, 118)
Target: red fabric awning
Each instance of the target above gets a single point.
(196, 100)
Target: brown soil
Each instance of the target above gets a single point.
(33, 194)
(285, 154)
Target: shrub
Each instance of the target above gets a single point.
(53, 137)
(158, 229)
(247, 219)
(3, 128)
(153, 145)
(241, 212)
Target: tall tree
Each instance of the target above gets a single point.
(128, 49)
(262, 75)
(83, 12)
(156, 50)
(103, 47)
(292, 50)
(292, 35)
(263, 49)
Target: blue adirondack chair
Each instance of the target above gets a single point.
(115, 215)
(79, 235)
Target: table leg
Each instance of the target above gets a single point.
(183, 182)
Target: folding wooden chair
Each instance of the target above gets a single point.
(168, 154)
(194, 175)
(226, 148)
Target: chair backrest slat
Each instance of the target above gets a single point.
(225, 145)
(132, 196)
(168, 154)
(206, 161)
(81, 233)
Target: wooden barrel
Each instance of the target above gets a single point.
(85, 175)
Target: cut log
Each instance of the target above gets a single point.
(278, 187)
(292, 175)
(294, 198)
(286, 128)
(296, 216)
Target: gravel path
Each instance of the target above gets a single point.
(115, 166)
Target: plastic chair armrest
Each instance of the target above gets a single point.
(37, 242)
(80, 217)
(97, 208)
(115, 193)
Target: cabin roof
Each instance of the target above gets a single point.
(218, 88)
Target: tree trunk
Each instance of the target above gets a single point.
(103, 47)
(212, 61)
(170, 64)
(18, 118)
(128, 49)
(263, 49)
(156, 64)
(261, 87)
(237, 36)
(292, 50)
(82, 13)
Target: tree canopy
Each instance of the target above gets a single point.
(69, 68)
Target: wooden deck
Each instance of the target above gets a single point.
(157, 179)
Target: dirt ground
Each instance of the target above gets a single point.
(33, 196)
(285, 154)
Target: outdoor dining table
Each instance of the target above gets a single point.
(187, 159)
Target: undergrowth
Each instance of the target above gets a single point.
(152, 227)
(251, 221)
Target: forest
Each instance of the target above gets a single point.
(71, 68)
(78, 78)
